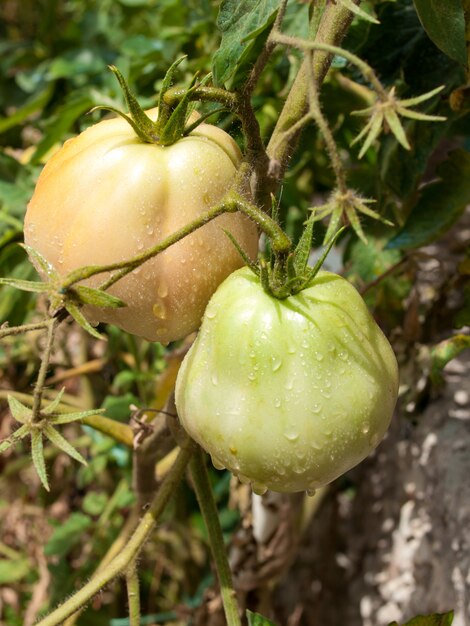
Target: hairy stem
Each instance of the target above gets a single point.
(121, 562)
(24, 328)
(333, 25)
(320, 120)
(208, 508)
(45, 359)
(133, 594)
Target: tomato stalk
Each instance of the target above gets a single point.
(208, 507)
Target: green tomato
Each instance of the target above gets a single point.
(287, 394)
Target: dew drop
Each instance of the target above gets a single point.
(214, 379)
(217, 464)
(319, 356)
(276, 363)
(211, 312)
(161, 332)
(365, 428)
(291, 350)
(252, 376)
(277, 403)
(291, 435)
(259, 488)
(310, 492)
(289, 385)
(159, 310)
(162, 290)
(316, 408)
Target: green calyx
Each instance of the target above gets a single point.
(286, 272)
(172, 121)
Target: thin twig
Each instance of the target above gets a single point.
(24, 328)
(121, 562)
(320, 120)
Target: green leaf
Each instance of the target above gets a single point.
(444, 22)
(42, 264)
(64, 117)
(255, 619)
(36, 103)
(16, 436)
(96, 297)
(349, 4)
(50, 408)
(67, 535)
(11, 571)
(302, 249)
(66, 418)
(78, 316)
(20, 412)
(62, 443)
(95, 502)
(25, 285)
(437, 619)
(440, 205)
(240, 22)
(37, 452)
(444, 352)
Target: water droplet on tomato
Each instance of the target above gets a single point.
(159, 310)
(217, 463)
(162, 290)
(343, 356)
(214, 379)
(365, 428)
(319, 356)
(211, 312)
(310, 492)
(259, 488)
(316, 408)
(277, 403)
(276, 363)
(291, 435)
(251, 376)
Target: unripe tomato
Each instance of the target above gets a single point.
(106, 196)
(287, 394)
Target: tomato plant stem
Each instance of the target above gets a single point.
(24, 328)
(210, 514)
(46, 356)
(133, 594)
(121, 562)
